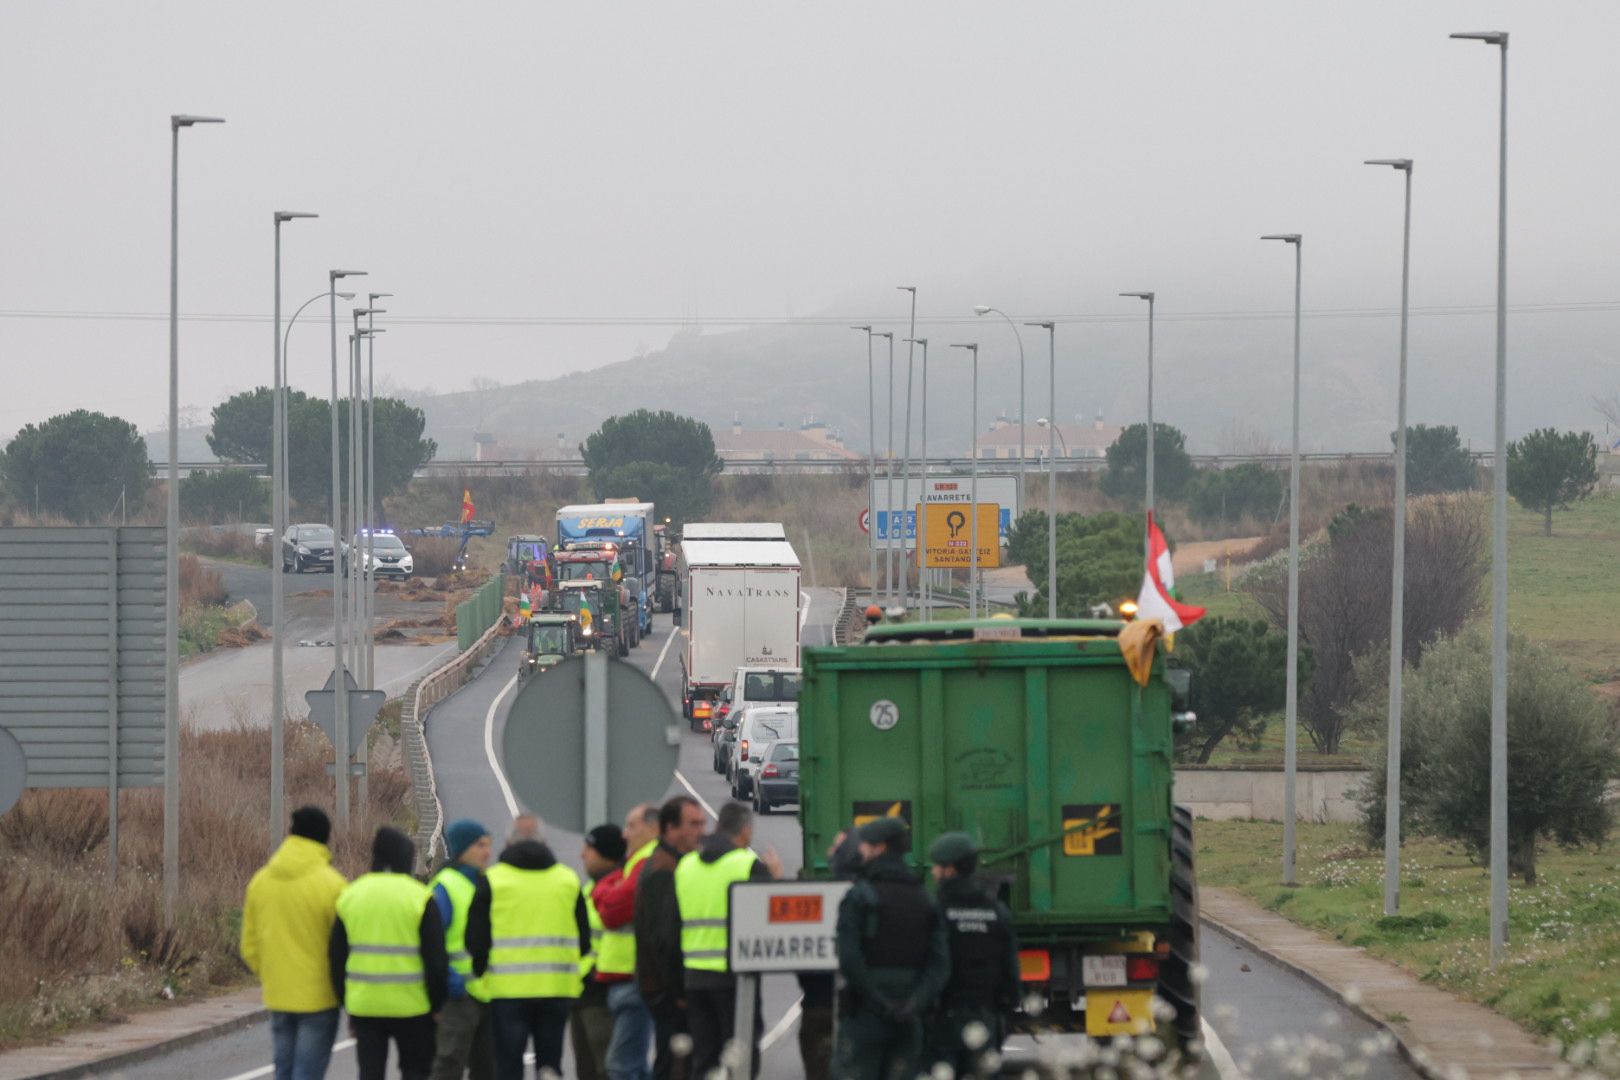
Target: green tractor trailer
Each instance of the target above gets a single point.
(1035, 738)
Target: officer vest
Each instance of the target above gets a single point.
(898, 928)
(460, 890)
(382, 918)
(616, 949)
(534, 938)
(979, 940)
(703, 893)
(587, 963)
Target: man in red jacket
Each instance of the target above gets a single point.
(615, 900)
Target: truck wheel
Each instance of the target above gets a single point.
(1176, 983)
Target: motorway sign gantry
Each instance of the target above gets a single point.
(956, 490)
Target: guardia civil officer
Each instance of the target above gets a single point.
(893, 955)
(967, 1022)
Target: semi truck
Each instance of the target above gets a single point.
(1036, 738)
(738, 605)
(626, 523)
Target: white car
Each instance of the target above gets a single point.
(388, 556)
(759, 728)
(763, 685)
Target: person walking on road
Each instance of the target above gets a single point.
(388, 961)
(590, 1021)
(287, 918)
(527, 931)
(658, 931)
(893, 955)
(465, 1044)
(703, 880)
(967, 1022)
(614, 900)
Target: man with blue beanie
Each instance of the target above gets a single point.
(466, 1043)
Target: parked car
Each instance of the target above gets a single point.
(389, 557)
(760, 727)
(306, 547)
(778, 779)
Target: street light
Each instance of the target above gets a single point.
(370, 615)
(922, 488)
(278, 525)
(973, 489)
(1499, 674)
(871, 467)
(1291, 700)
(905, 459)
(1397, 603)
(984, 309)
(340, 697)
(1051, 467)
(1152, 432)
(888, 489)
(355, 570)
(171, 554)
(286, 337)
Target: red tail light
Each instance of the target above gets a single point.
(770, 770)
(742, 748)
(707, 726)
(1141, 969)
(1034, 965)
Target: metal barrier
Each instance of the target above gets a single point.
(480, 611)
(423, 694)
(850, 624)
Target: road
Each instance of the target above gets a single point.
(1268, 1020)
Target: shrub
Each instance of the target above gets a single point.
(224, 495)
(434, 556)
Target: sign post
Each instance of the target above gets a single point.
(950, 543)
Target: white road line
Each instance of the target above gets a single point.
(783, 1026)
(673, 634)
(692, 791)
(489, 745)
(1219, 1056)
(268, 1070)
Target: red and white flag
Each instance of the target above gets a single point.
(1157, 599)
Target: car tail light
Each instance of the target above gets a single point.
(1141, 969)
(770, 770)
(742, 748)
(1034, 965)
(702, 712)
(707, 726)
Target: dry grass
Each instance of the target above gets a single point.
(231, 544)
(434, 556)
(79, 950)
(199, 586)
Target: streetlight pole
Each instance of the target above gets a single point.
(358, 628)
(340, 699)
(973, 489)
(905, 460)
(984, 309)
(286, 405)
(278, 525)
(1397, 602)
(171, 560)
(1152, 432)
(1291, 700)
(371, 493)
(888, 489)
(1499, 672)
(1051, 467)
(871, 468)
(922, 488)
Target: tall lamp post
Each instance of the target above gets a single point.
(278, 525)
(370, 480)
(1397, 602)
(905, 459)
(985, 309)
(1499, 673)
(888, 489)
(171, 576)
(356, 570)
(871, 467)
(973, 489)
(1291, 698)
(1152, 432)
(340, 697)
(922, 488)
(1051, 467)
(286, 405)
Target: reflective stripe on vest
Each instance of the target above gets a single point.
(703, 893)
(460, 890)
(382, 919)
(616, 948)
(534, 939)
(587, 963)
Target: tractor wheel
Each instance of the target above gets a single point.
(1177, 984)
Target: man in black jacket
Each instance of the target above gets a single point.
(658, 931)
(968, 1022)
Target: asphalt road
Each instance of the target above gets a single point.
(1267, 1021)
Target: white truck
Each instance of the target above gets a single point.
(738, 607)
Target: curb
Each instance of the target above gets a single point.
(157, 1049)
(1409, 1051)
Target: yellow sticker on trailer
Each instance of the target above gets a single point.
(1119, 1012)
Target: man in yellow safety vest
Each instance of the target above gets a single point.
(388, 961)
(703, 881)
(466, 1047)
(526, 932)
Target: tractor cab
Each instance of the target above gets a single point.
(550, 639)
(526, 558)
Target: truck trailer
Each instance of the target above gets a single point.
(627, 524)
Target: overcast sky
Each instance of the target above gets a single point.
(721, 160)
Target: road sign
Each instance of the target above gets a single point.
(1001, 490)
(950, 537)
(363, 708)
(865, 520)
(13, 770)
(779, 926)
(588, 740)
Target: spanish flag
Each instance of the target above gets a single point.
(466, 505)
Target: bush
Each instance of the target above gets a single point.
(1125, 477)
(1225, 495)
(1099, 559)
(1562, 753)
(199, 586)
(434, 556)
(1239, 672)
(226, 495)
(1437, 463)
(227, 544)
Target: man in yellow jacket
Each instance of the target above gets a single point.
(286, 924)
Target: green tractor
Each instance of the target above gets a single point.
(549, 639)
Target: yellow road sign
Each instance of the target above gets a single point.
(950, 536)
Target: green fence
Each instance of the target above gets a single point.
(479, 612)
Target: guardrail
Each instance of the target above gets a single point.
(850, 623)
(480, 611)
(422, 695)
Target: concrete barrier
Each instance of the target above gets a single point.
(1226, 793)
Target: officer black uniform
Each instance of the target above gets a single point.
(893, 956)
(968, 1021)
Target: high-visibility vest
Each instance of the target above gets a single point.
(616, 947)
(460, 890)
(534, 940)
(587, 963)
(382, 918)
(703, 893)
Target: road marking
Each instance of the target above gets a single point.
(783, 1025)
(1219, 1056)
(268, 1070)
(663, 653)
(701, 801)
(489, 745)
(408, 679)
